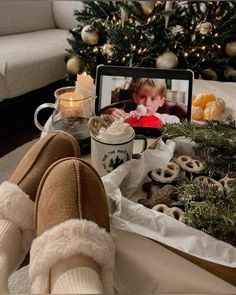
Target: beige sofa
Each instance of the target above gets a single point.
(33, 42)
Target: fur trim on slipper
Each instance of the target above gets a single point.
(17, 206)
(68, 239)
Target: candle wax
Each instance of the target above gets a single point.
(84, 83)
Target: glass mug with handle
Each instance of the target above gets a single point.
(71, 114)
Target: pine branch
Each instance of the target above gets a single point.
(133, 9)
(209, 209)
(215, 142)
(195, 50)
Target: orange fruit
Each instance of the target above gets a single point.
(221, 103)
(202, 99)
(212, 111)
(196, 113)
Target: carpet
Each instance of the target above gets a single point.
(19, 282)
(10, 160)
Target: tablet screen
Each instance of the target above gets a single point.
(145, 98)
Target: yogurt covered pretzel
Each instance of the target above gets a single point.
(190, 165)
(174, 212)
(226, 182)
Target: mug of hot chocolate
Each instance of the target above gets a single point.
(112, 143)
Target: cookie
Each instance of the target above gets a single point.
(156, 195)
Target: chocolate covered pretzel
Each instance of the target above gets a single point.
(167, 173)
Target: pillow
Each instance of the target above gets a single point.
(24, 16)
(63, 12)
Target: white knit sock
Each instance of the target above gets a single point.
(79, 280)
(11, 253)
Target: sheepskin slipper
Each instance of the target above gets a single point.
(47, 150)
(17, 206)
(71, 217)
(65, 240)
(70, 188)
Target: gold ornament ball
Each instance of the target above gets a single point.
(73, 65)
(209, 74)
(230, 49)
(167, 60)
(147, 6)
(230, 74)
(89, 36)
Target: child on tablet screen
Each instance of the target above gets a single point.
(149, 95)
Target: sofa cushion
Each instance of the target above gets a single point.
(63, 12)
(20, 16)
(32, 60)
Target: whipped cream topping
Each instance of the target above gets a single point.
(117, 132)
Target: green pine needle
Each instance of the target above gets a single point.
(215, 142)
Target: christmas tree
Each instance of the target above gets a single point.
(198, 35)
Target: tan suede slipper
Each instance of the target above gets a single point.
(71, 217)
(18, 194)
(71, 188)
(52, 147)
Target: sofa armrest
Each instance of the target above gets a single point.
(63, 12)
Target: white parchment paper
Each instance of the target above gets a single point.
(123, 188)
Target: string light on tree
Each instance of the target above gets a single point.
(95, 49)
(107, 50)
(165, 34)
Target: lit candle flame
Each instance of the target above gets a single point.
(71, 102)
